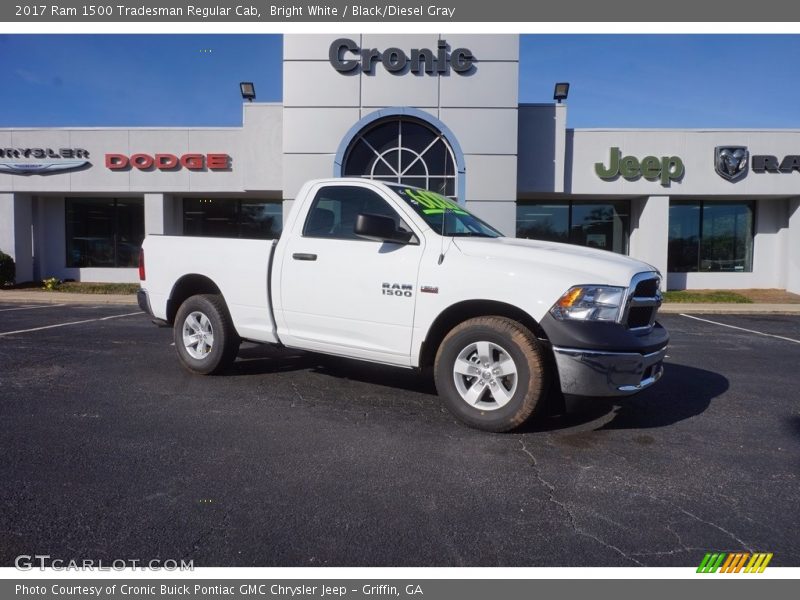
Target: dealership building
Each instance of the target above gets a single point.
(710, 208)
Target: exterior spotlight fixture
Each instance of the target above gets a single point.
(248, 90)
(561, 91)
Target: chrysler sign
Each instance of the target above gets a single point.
(29, 161)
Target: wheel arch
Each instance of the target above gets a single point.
(185, 287)
(469, 309)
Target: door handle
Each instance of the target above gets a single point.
(304, 256)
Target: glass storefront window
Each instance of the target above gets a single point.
(232, 217)
(403, 150)
(684, 237)
(104, 232)
(710, 236)
(604, 225)
(543, 222)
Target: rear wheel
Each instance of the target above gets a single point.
(490, 372)
(204, 335)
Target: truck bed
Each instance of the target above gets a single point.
(240, 268)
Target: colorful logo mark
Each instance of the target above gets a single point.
(433, 203)
(734, 562)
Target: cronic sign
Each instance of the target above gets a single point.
(346, 56)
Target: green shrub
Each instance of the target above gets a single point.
(50, 284)
(8, 270)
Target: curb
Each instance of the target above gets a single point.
(699, 308)
(42, 297)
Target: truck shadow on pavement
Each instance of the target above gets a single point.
(683, 392)
(262, 360)
(794, 425)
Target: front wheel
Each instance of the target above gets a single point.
(204, 335)
(490, 372)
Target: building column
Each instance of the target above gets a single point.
(793, 250)
(502, 215)
(16, 219)
(560, 146)
(7, 238)
(650, 232)
(159, 215)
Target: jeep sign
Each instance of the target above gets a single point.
(666, 168)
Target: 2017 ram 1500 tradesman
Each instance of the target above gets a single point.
(398, 275)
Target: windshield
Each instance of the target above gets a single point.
(433, 208)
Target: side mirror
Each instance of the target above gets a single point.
(380, 228)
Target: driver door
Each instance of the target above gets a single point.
(344, 294)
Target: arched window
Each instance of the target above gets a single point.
(403, 150)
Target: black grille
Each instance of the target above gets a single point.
(644, 303)
(646, 289)
(639, 316)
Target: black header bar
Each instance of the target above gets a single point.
(398, 11)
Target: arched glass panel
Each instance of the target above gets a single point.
(403, 150)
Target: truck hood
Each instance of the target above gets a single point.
(585, 265)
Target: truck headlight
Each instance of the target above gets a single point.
(589, 303)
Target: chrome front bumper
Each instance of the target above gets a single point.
(599, 373)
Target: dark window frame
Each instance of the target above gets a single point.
(701, 204)
(365, 144)
(239, 223)
(318, 197)
(115, 235)
(571, 226)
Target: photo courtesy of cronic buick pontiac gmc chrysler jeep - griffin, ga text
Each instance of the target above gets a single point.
(398, 275)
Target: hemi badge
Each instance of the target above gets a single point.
(429, 289)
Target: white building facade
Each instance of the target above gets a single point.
(709, 208)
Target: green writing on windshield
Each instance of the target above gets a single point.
(433, 203)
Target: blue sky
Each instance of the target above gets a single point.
(737, 81)
(134, 80)
(617, 80)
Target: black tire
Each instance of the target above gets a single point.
(522, 393)
(209, 358)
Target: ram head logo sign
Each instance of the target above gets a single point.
(730, 162)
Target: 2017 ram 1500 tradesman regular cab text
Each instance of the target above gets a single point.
(398, 275)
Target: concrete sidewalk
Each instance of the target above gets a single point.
(729, 308)
(43, 297)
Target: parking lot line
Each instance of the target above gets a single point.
(780, 337)
(31, 307)
(138, 312)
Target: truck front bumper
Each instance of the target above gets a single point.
(602, 373)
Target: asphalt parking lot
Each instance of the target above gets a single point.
(110, 450)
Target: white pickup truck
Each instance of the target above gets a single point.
(398, 275)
